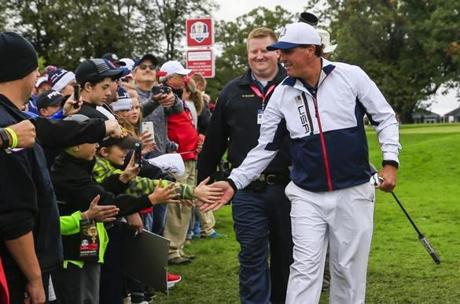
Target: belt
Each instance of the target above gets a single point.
(273, 179)
(268, 179)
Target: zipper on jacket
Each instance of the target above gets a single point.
(323, 146)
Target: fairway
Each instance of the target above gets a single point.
(400, 270)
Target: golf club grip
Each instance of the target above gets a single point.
(430, 249)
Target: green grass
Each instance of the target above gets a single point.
(400, 271)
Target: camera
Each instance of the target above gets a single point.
(161, 90)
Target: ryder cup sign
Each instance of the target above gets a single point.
(199, 32)
(201, 61)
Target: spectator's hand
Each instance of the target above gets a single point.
(165, 100)
(227, 195)
(113, 128)
(388, 175)
(69, 109)
(135, 222)
(106, 213)
(201, 139)
(128, 85)
(207, 193)
(164, 194)
(148, 144)
(35, 292)
(25, 130)
(187, 203)
(197, 203)
(131, 170)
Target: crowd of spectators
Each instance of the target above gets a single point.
(91, 153)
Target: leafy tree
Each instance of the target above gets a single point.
(231, 37)
(65, 31)
(171, 15)
(2, 13)
(410, 48)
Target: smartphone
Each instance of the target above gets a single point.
(138, 154)
(76, 95)
(148, 126)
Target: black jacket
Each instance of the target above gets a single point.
(27, 200)
(233, 126)
(89, 110)
(204, 118)
(75, 187)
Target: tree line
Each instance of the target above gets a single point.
(409, 48)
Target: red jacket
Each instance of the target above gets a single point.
(182, 131)
(4, 295)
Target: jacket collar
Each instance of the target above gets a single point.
(88, 165)
(12, 109)
(246, 78)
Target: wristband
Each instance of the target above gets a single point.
(5, 138)
(391, 163)
(232, 184)
(14, 137)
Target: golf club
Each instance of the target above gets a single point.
(432, 252)
(421, 237)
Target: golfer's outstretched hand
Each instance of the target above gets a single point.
(227, 195)
(388, 174)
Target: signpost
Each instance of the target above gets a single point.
(201, 61)
(199, 32)
(200, 43)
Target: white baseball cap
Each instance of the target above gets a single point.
(41, 80)
(326, 41)
(128, 63)
(294, 35)
(174, 67)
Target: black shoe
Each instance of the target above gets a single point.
(179, 261)
(188, 256)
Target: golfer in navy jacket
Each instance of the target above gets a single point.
(323, 104)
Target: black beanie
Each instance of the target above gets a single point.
(17, 57)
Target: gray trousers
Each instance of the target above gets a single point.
(75, 285)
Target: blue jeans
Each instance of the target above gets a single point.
(159, 218)
(195, 226)
(147, 219)
(263, 228)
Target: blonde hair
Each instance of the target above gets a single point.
(133, 129)
(261, 32)
(195, 95)
(199, 79)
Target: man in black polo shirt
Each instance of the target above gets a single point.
(261, 210)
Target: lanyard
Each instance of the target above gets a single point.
(257, 91)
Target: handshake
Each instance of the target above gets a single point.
(207, 197)
(214, 196)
